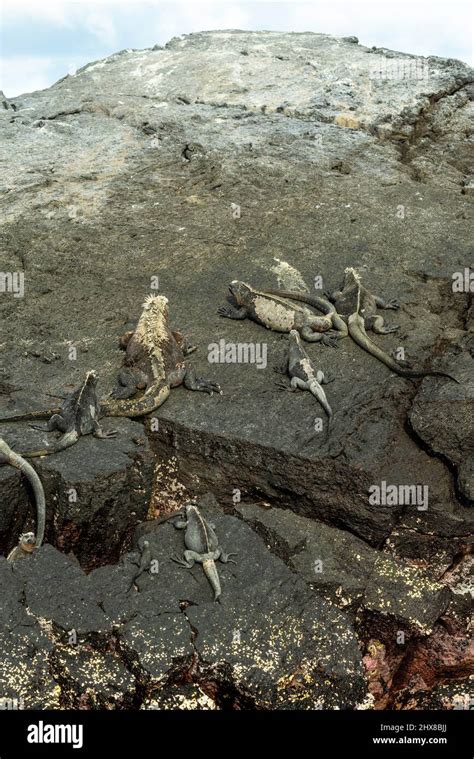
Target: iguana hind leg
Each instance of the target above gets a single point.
(327, 338)
(295, 384)
(392, 304)
(225, 557)
(192, 382)
(323, 379)
(130, 381)
(55, 423)
(103, 434)
(377, 325)
(190, 558)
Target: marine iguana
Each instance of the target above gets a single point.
(144, 562)
(303, 375)
(26, 545)
(358, 307)
(274, 311)
(354, 297)
(154, 363)
(79, 415)
(202, 546)
(7, 456)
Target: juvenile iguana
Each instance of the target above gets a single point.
(358, 307)
(26, 545)
(78, 415)
(274, 311)
(144, 562)
(154, 363)
(7, 456)
(202, 546)
(303, 375)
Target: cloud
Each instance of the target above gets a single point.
(26, 73)
(20, 74)
(46, 35)
(101, 25)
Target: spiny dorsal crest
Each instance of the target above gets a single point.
(354, 272)
(152, 329)
(155, 302)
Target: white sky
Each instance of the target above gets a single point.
(42, 40)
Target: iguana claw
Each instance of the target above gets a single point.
(331, 342)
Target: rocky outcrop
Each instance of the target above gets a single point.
(109, 642)
(277, 159)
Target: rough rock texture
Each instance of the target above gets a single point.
(447, 429)
(351, 573)
(273, 158)
(102, 640)
(96, 492)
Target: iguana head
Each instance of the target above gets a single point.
(191, 508)
(27, 542)
(294, 337)
(351, 276)
(241, 292)
(91, 378)
(156, 304)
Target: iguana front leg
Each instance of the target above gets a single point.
(230, 312)
(332, 295)
(180, 524)
(283, 367)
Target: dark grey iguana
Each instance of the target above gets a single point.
(274, 310)
(154, 363)
(202, 546)
(144, 563)
(7, 456)
(78, 415)
(303, 375)
(358, 307)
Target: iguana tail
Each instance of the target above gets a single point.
(25, 467)
(318, 392)
(139, 407)
(31, 415)
(68, 439)
(322, 304)
(360, 336)
(210, 570)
